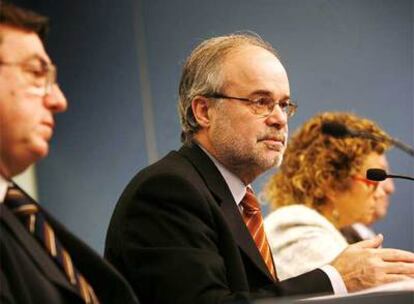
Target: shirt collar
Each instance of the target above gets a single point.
(236, 186)
(4, 184)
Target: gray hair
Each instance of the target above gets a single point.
(202, 74)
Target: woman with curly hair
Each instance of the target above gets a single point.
(321, 188)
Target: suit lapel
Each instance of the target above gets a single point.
(93, 267)
(96, 270)
(35, 250)
(219, 188)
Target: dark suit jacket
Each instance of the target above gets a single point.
(178, 237)
(29, 275)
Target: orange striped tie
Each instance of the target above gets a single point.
(28, 212)
(253, 219)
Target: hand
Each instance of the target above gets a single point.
(363, 265)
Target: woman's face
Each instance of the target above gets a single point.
(382, 194)
(358, 204)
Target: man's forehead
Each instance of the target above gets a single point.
(253, 65)
(240, 54)
(17, 45)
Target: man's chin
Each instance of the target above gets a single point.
(271, 162)
(278, 161)
(275, 159)
(40, 149)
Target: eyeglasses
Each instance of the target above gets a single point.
(262, 106)
(39, 74)
(367, 182)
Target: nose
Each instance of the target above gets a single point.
(388, 186)
(385, 188)
(55, 100)
(380, 192)
(277, 118)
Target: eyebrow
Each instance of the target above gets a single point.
(267, 93)
(42, 60)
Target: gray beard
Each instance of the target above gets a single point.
(246, 167)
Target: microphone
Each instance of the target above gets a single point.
(339, 130)
(334, 129)
(378, 175)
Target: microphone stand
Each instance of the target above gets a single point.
(395, 142)
(400, 176)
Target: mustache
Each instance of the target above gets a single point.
(280, 136)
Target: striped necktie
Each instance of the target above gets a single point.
(253, 219)
(33, 219)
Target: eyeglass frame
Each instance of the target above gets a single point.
(48, 70)
(366, 181)
(291, 105)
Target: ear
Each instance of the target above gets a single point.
(200, 106)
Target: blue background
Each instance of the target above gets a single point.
(119, 64)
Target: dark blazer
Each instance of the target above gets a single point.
(178, 237)
(29, 275)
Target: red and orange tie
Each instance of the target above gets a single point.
(253, 219)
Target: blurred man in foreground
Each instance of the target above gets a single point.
(40, 261)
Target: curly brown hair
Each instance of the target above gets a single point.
(314, 162)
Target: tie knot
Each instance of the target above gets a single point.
(19, 202)
(249, 202)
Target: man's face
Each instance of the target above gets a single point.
(26, 117)
(244, 142)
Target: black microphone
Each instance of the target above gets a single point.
(378, 175)
(339, 130)
(334, 129)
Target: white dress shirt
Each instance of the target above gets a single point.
(238, 191)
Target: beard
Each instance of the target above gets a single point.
(245, 157)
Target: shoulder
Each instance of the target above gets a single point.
(298, 222)
(295, 214)
(301, 240)
(171, 176)
(171, 187)
(166, 176)
(174, 167)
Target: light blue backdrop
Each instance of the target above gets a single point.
(119, 60)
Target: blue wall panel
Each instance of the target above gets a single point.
(340, 55)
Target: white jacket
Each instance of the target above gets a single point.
(301, 240)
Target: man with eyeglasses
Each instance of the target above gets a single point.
(40, 261)
(188, 229)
